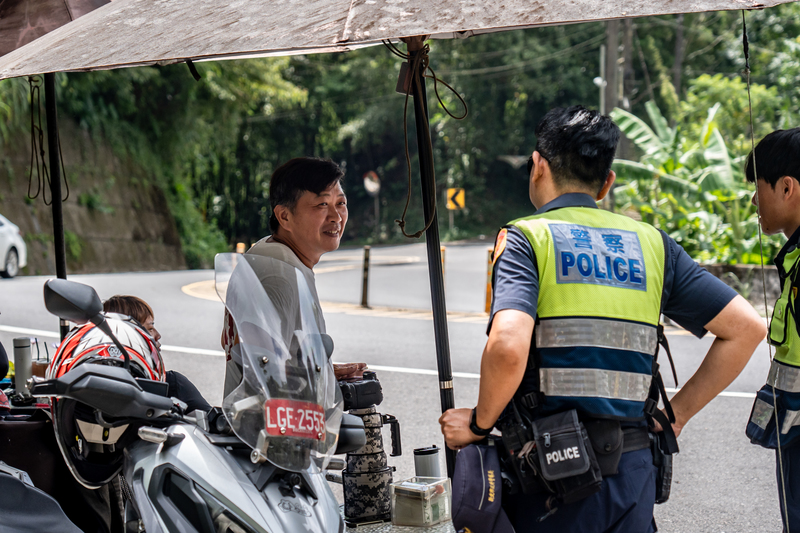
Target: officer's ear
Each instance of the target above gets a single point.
(607, 185)
(789, 185)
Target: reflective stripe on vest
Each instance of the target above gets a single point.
(601, 277)
(791, 419)
(596, 332)
(784, 377)
(593, 382)
(762, 413)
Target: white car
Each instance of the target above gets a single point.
(13, 251)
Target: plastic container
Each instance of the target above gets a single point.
(421, 501)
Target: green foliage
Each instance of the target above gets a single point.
(201, 241)
(92, 201)
(14, 108)
(691, 187)
(73, 245)
(734, 117)
(212, 145)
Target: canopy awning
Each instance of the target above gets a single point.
(23, 21)
(128, 33)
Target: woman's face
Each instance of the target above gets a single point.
(150, 327)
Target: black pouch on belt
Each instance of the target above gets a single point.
(566, 457)
(607, 441)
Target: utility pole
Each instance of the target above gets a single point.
(611, 65)
(613, 82)
(600, 80)
(677, 66)
(625, 148)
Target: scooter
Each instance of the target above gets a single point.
(257, 463)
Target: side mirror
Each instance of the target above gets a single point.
(72, 301)
(327, 342)
(79, 303)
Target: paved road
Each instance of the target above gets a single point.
(721, 482)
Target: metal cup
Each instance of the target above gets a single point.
(22, 365)
(426, 462)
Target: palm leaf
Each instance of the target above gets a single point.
(720, 176)
(637, 131)
(664, 132)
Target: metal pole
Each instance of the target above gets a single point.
(603, 81)
(55, 184)
(433, 243)
(365, 279)
(377, 217)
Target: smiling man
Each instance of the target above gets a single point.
(309, 213)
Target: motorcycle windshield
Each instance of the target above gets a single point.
(288, 406)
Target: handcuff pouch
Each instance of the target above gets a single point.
(607, 440)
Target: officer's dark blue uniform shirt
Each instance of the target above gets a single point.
(691, 295)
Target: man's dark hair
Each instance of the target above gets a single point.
(776, 156)
(579, 144)
(296, 176)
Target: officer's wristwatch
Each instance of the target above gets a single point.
(473, 425)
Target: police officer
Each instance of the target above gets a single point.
(776, 163)
(578, 292)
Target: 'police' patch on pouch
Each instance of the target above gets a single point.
(598, 256)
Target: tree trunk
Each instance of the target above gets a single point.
(677, 66)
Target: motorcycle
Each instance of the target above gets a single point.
(254, 465)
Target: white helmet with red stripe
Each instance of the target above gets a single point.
(93, 452)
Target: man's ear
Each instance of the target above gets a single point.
(790, 186)
(540, 164)
(607, 185)
(283, 214)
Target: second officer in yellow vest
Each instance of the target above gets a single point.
(573, 337)
(775, 420)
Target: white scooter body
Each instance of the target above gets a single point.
(217, 470)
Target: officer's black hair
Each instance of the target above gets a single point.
(777, 155)
(579, 144)
(296, 176)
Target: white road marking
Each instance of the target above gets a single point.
(398, 369)
(31, 332)
(194, 351)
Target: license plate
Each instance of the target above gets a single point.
(290, 418)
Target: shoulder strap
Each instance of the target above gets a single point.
(657, 390)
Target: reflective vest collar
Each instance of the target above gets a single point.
(571, 199)
(786, 251)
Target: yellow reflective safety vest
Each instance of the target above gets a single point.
(784, 373)
(601, 277)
